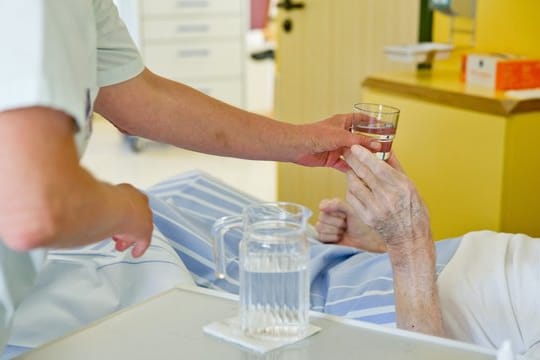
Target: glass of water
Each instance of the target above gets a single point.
(378, 122)
(273, 268)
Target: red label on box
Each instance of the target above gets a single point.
(518, 74)
(500, 73)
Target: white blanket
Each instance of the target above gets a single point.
(490, 291)
(77, 287)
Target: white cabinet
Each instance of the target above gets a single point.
(200, 43)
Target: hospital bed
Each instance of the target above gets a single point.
(79, 286)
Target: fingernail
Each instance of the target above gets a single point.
(375, 145)
(137, 252)
(356, 149)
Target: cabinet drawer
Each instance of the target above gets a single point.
(198, 26)
(203, 59)
(170, 7)
(230, 91)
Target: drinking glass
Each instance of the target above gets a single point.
(273, 262)
(376, 121)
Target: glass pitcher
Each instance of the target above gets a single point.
(273, 263)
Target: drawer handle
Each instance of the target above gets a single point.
(196, 28)
(192, 4)
(190, 53)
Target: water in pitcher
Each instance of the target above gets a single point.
(276, 283)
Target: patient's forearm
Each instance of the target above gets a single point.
(416, 296)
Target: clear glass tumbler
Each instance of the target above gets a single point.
(378, 122)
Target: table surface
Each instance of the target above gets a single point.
(169, 326)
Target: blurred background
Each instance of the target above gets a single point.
(465, 74)
(223, 48)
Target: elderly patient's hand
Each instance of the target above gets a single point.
(383, 197)
(339, 224)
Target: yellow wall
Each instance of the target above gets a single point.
(510, 26)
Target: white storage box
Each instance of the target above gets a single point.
(418, 53)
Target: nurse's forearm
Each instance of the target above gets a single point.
(47, 199)
(170, 112)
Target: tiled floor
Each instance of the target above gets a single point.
(110, 158)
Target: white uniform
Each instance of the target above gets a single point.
(490, 291)
(56, 53)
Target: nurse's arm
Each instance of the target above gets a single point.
(47, 199)
(153, 107)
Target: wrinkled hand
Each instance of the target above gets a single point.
(338, 224)
(386, 200)
(326, 141)
(137, 225)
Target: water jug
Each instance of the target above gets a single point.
(273, 268)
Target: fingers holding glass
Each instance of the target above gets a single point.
(378, 122)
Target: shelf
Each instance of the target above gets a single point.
(444, 87)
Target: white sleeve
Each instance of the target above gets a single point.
(59, 303)
(118, 58)
(534, 351)
(44, 55)
(490, 291)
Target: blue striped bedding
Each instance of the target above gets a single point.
(344, 281)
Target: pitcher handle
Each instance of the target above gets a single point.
(219, 229)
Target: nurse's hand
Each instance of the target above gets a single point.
(137, 226)
(323, 143)
(49, 200)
